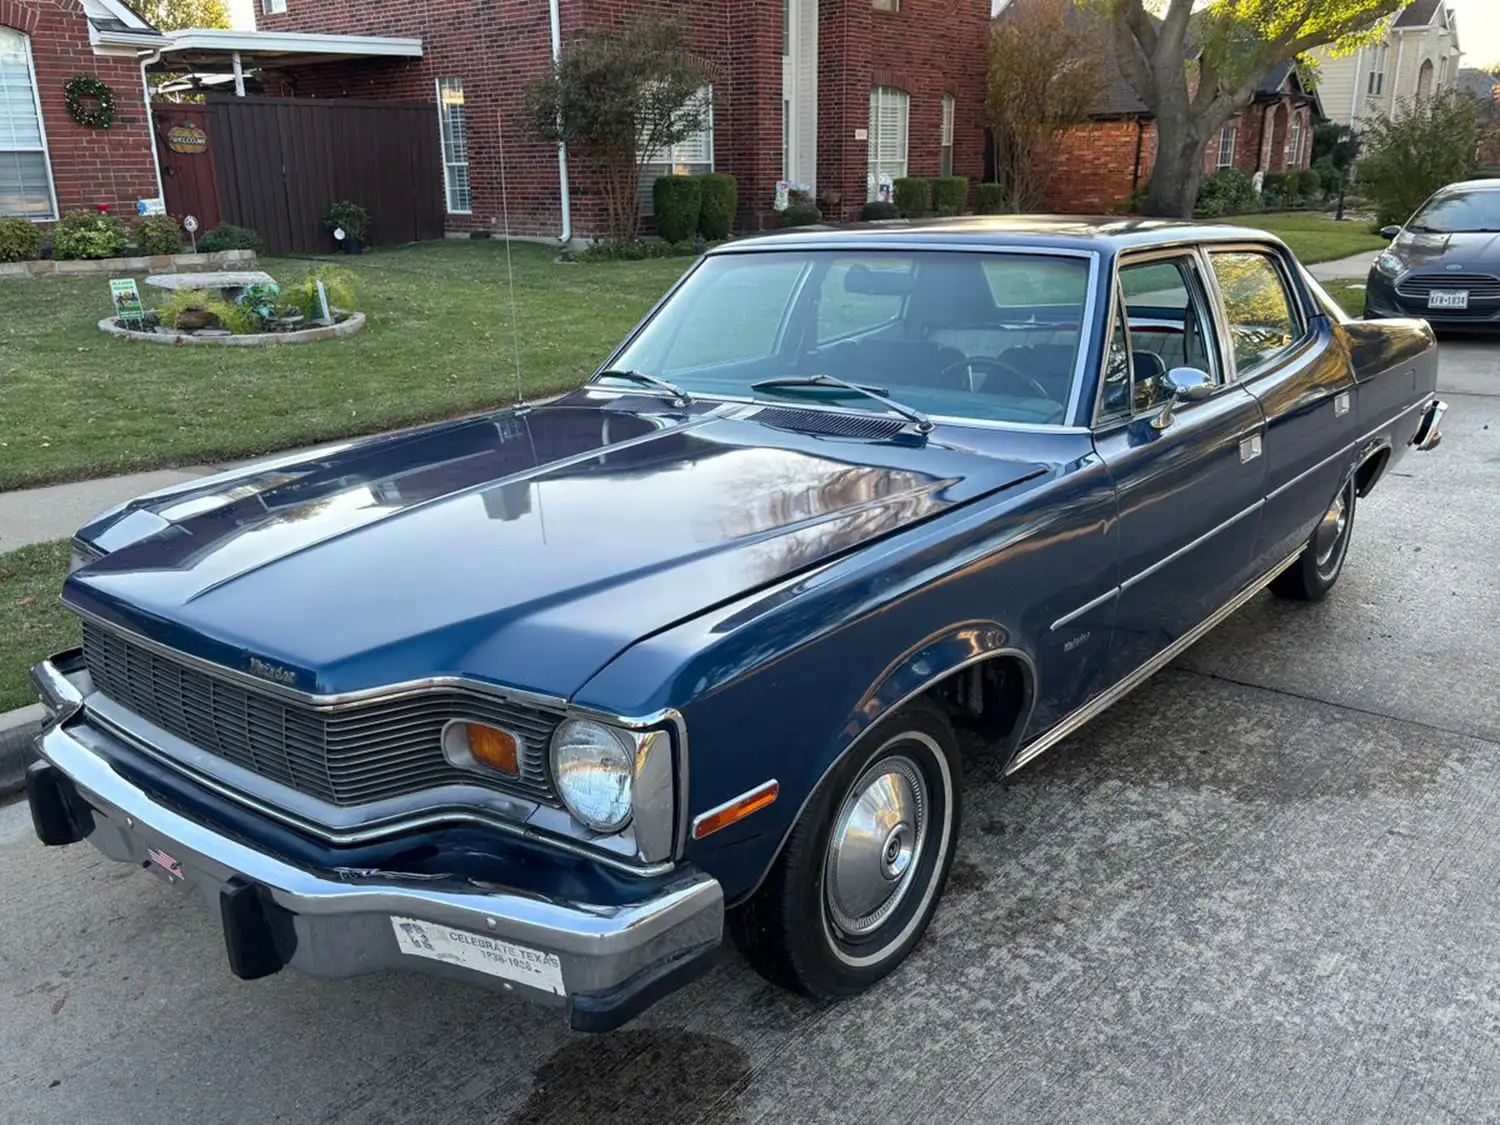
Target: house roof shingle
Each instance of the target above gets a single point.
(1418, 14)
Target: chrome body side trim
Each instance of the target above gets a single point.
(1305, 473)
(1101, 702)
(1067, 619)
(1391, 421)
(1185, 548)
(343, 917)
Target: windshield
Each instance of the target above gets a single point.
(991, 336)
(1459, 211)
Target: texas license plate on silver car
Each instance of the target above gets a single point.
(1448, 299)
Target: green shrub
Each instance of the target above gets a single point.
(879, 209)
(230, 237)
(677, 201)
(1227, 192)
(351, 217)
(721, 199)
(158, 234)
(801, 215)
(950, 194)
(1406, 159)
(1328, 175)
(263, 302)
(989, 199)
(912, 196)
(303, 296)
(1278, 191)
(89, 234)
(1309, 184)
(607, 250)
(20, 240)
(181, 302)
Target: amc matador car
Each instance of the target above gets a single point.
(549, 699)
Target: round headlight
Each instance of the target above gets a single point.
(594, 769)
(1389, 264)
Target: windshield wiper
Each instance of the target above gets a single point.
(921, 421)
(677, 393)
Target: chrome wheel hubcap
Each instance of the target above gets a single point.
(876, 845)
(1331, 529)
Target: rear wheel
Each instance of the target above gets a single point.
(862, 871)
(1322, 561)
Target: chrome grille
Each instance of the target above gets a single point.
(1481, 286)
(367, 753)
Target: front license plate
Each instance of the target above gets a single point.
(481, 953)
(1448, 299)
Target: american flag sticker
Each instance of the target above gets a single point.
(162, 860)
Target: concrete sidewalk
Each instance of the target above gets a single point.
(1356, 267)
(36, 515)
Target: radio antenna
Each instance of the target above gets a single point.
(510, 272)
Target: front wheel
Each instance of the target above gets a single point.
(1322, 561)
(862, 871)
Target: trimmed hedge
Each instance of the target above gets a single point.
(912, 196)
(1227, 192)
(678, 201)
(800, 215)
(721, 199)
(89, 234)
(158, 234)
(20, 240)
(879, 209)
(950, 194)
(229, 237)
(989, 199)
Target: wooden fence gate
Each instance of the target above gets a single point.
(277, 164)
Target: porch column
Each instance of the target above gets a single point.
(239, 75)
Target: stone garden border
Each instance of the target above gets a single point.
(348, 327)
(152, 263)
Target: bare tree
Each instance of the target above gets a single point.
(1048, 66)
(1194, 83)
(615, 98)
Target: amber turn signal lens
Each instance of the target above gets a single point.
(493, 748)
(737, 809)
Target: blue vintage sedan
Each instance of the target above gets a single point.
(548, 699)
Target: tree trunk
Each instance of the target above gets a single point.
(1178, 171)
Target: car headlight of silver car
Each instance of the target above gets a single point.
(1389, 264)
(611, 778)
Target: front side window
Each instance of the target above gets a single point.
(454, 131)
(692, 156)
(987, 336)
(1458, 212)
(25, 177)
(889, 110)
(1166, 310)
(946, 163)
(1257, 307)
(1227, 137)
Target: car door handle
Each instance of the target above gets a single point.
(1250, 448)
(1341, 404)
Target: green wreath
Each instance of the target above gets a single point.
(78, 92)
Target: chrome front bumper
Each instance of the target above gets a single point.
(603, 963)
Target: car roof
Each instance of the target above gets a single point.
(1058, 232)
(1470, 185)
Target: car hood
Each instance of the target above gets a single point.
(526, 548)
(1477, 250)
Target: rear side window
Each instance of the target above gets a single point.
(1257, 308)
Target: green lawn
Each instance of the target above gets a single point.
(1313, 236)
(1350, 294)
(33, 623)
(75, 403)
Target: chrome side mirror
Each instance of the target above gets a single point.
(1182, 384)
(1389, 232)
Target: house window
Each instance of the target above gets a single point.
(273, 7)
(1227, 138)
(454, 131)
(886, 5)
(690, 157)
(25, 175)
(1378, 57)
(946, 160)
(1294, 142)
(889, 112)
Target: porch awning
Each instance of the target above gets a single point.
(208, 49)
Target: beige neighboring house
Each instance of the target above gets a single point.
(1418, 57)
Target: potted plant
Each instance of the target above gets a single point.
(353, 220)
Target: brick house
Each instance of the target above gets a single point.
(1100, 165)
(825, 93)
(49, 163)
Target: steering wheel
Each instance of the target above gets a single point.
(1005, 371)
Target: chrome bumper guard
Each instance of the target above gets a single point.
(1429, 430)
(603, 963)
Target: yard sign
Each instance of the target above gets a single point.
(127, 300)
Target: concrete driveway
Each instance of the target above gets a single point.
(1266, 887)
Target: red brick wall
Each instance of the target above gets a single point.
(90, 167)
(1095, 169)
(930, 48)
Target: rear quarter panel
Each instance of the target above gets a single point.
(1395, 366)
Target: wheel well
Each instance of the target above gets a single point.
(1370, 472)
(990, 698)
